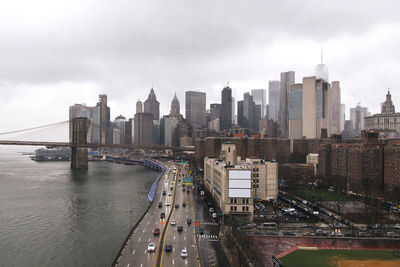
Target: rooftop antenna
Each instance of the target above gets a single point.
(227, 84)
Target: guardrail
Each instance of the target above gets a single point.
(150, 197)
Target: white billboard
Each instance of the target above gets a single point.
(240, 193)
(239, 174)
(240, 183)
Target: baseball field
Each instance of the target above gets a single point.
(341, 258)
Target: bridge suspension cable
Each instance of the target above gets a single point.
(34, 128)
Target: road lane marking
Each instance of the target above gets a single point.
(174, 237)
(184, 237)
(173, 261)
(133, 252)
(186, 262)
(144, 230)
(149, 239)
(139, 239)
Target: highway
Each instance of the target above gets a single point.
(135, 252)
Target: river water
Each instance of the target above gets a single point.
(51, 215)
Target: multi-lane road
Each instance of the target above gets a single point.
(136, 251)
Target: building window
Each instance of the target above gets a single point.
(257, 186)
(229, 149)
(243, 208)
(234, 208)
(247, 208)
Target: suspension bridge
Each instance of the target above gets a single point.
(79, 145)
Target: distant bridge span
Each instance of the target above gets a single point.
(88, 145)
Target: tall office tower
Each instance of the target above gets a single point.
(151, 105)
(195, 103)
(131, 131)
(248, 111)
(321, 71)
(139, 106)
(357, 116)
(167, 129)
(287, 80)
(335, 107)
(273, 99)
(233, 111)
(315, 109)
(143, 129)
(175, 106)
(348, 131)
(79, 110)
(101, 126)
(240, 117)
(215, 111)
(342, 116)
(295, 104)
(156, 132)
(259, 97)
(226, 109)
(118, 126)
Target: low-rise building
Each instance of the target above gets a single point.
(234, 183)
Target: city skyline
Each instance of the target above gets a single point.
(63, 66)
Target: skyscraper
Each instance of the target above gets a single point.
(259, 98)
(143, 129)
(315, 111)
(151, 105)
(233, 111)
(295, 111)
(357, 116)
(226, 109)
(287, 80)
(321, 71)
(139, 106)
(273, 100)
(335, 107)
(195, 103)
(175, 107)
(101, 126)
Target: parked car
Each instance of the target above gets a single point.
(173, 222)
(160, 204)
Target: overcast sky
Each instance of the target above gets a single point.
(57, 53)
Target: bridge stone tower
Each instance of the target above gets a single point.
(79, 154)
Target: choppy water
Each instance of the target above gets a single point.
(53, 216)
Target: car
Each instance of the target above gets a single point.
(179, 185)
(160, 204)
(156, 231)
(184, 253)
(176, 206)
(188, 221)
(214, 215)
(162, 215)
(151, 247)
(211, 209)
(167, 203)
(188, 191)
(183, 204)
(164, 192)
(201, 231)
(201, 193)
(171, 188)
(180, 228)
(169, 193)
(397, 226)
(183, 189)
(168, 247)
(173, 222)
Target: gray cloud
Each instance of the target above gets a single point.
(74, 50)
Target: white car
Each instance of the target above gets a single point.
(169, 193)
(173, 222)
(167, 203)
(184, 253)
(151, 247)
